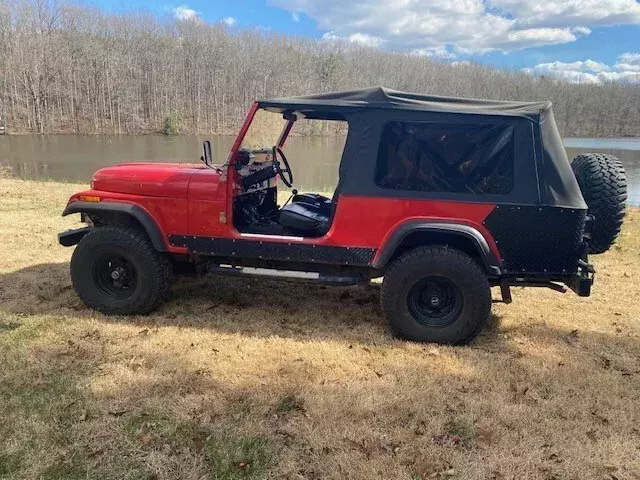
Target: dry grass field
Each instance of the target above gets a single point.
(250, 379)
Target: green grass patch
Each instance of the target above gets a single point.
(290, 403)
(227, 456)
(9, 463)
(235, 457)
(464, 429)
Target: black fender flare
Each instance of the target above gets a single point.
(491, 263)
(134, 211)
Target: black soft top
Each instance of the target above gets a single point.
(381, 97)
(543, 174)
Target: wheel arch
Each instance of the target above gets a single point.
(121, 213)
(459, 236)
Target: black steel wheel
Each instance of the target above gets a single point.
(436, 294)
(115, 276)
(435, 301)
(117, 271)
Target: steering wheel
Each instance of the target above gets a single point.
(286, 175)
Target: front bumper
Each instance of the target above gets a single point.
(72, 237)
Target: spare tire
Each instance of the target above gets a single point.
(603, 184)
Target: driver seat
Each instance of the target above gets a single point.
(310, 215)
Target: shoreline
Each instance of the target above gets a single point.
(10, 133)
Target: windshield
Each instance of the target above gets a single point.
(264, 131)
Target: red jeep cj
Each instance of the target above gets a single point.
(442, 197)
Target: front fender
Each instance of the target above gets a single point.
(134, 211)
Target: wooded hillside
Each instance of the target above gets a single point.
(71, 68)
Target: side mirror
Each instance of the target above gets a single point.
(207, 158)
(243, 159)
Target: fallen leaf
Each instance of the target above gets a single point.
(146, 440)
(388, 446)
(117, 413)
(572, 337)
(447, 439)
(95, 453)
(602, 419)
(555, 457)
(363, 445)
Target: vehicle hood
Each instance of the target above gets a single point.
(146, 179)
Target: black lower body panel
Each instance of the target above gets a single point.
(538, 239)
(282, 251)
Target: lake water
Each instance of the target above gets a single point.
(314, 159)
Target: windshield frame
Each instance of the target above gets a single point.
(237, 144)
(267, 129)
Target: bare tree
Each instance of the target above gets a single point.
(67, 67)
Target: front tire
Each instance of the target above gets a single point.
(436, 294)
(116, 270)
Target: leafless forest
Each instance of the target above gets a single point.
(71, 68)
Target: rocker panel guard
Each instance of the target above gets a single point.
(305, 253)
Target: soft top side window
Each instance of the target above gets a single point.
(450, 157)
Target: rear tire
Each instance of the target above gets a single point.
(603, 183)
(117, 271)
(436, 294)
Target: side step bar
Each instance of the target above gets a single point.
(290, 275)
(505, 287)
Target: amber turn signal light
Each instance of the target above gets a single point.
(89, 198)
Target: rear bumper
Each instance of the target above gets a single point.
(583, 280)
(69, 238)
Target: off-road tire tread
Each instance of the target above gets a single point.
(477, 285)
(160, 272)
(603, 183)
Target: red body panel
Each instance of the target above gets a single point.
(207, 202)
(146, 179)
(368, 222)
(170, 214)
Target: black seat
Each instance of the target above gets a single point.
(304, 218)
(314, 199)
(310, 214)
